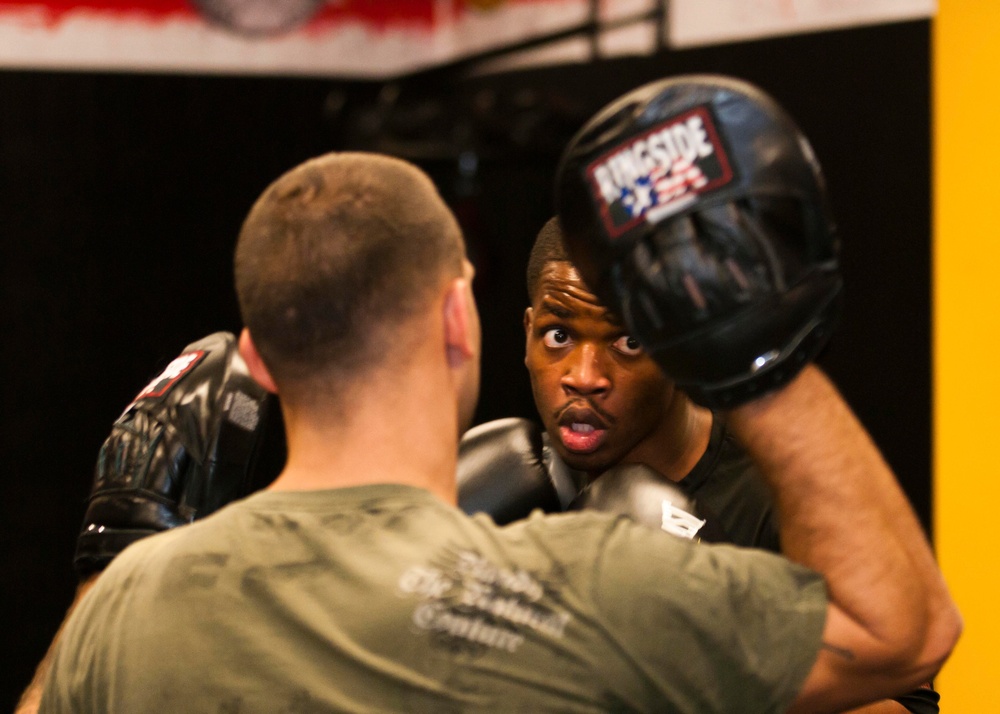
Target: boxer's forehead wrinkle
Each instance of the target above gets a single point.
(549, 308)
(561, 282)
(559, 310)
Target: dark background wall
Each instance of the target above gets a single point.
(121, 195)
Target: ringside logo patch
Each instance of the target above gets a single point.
(659, 172)
(171, 375)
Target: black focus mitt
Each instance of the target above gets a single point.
(186, 446)
(695, 209)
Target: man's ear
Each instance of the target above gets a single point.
(459, 329)
(258, 370)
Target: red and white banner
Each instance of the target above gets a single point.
(347, 38)
(384, 38)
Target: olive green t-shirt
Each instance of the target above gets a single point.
(382, 598)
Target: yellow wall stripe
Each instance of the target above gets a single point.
(966, 225)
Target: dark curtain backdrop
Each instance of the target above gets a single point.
(121, 195)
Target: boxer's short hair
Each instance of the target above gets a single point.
(548, 248)
(334, 256)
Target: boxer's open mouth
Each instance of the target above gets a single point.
(581, 430)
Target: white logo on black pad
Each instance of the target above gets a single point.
(170, 376)
(659, 172)
(679, 522)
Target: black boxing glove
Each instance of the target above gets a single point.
(648, 497)
(695, 209)
(506, 469)
(187, 445)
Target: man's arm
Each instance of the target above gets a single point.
(733, 286)
(891, 622)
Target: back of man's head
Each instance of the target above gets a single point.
(333, 259)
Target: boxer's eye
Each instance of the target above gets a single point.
(626, 344)
(555, 337)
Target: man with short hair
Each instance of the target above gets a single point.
(605, 402)
(354, 583)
